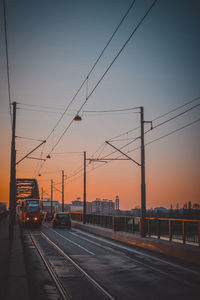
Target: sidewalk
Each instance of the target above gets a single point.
(13, 278)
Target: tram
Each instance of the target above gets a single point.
(30, 212)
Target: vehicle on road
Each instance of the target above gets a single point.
(62, 219)
(30, 212)
(48, 216)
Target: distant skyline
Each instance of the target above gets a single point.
(52, 47)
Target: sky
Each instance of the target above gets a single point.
(52, 46)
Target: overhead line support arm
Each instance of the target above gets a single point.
(30, 152)
(123, 153)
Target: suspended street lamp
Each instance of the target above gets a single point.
(77, 118)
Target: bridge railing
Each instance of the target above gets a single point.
(187, 231)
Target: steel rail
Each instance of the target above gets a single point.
(93, 281)
(183, 281)
(138, 252)
(63, 292)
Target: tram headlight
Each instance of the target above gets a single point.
(27, 219)
(35, 219)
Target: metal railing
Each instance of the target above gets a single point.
(187, 231)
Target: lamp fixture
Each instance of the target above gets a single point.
(77, 118)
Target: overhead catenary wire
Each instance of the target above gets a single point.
(7, 58)
(108, 68)
(42, 111)
(27, 138)
(178, 107)
(93, 67)
(155, 140)
(86, 79)
(174, 117)
(157, 118)
(102, 147)
(174, 131)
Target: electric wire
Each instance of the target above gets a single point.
(40, 106)
(86, 80)
(93, 67)
(108, 68)
(174, 117)
(42, 111)
(27, 138)
(169, 112)
(166, 135)
(158, 117)
(7, 58)
(111, 110)
(102, 147)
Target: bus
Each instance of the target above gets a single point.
(30, 212)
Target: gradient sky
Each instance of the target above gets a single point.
(52, 46)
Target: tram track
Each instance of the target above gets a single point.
(153, 268)
(62, 291)
(144, 264)
(65, 294)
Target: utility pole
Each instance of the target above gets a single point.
(62, 190)
(51, 196)
(84, 189)
(42, 197)
(143, 185)
(12, 200)
(142, 165)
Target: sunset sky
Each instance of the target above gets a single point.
(52, 46)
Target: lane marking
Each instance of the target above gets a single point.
(137, 252)
(72, 242)
(141, 263)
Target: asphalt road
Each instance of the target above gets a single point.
(125, 272)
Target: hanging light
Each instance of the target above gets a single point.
(39, 175)
(77, 118)
(48, 156)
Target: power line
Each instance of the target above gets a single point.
(166, 121)
(172, 132)
(165, 135)
(7, 58)
(111, 110)
(40, 110)
(93, 67)
(133, 140)
(27, 138)
(86, 79)
(159, 117)
(101, 78)
(40, 106)
(105, 163)
(169, 112)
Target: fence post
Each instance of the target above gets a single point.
(149, 227)
(199, 232)
(183, 231)
(170, 230)
(133, 223)
(158, 228)
(140, 226)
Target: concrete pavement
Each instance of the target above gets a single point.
(13, 277)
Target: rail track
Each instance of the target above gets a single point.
(146, 260)
(86, 266)
(54, 258)
(173, 271)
